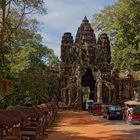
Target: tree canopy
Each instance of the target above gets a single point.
(23, 57)
(122, 23)
(13, 20)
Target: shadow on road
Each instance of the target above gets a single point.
(61, 135)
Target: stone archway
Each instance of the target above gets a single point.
(88, 80)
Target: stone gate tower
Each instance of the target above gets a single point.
(85, 62)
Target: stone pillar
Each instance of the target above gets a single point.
(99, 91)
(120, 90)
(69, 98)
(63, 94)
(110, 97)
(79, 90)
(130, 86)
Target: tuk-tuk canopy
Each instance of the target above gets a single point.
(132, 103)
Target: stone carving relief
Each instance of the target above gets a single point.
(103, 49)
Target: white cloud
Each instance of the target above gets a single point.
(51, 42)
(66, 15)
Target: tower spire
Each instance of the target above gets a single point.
(85, 19)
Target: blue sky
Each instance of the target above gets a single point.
(66, 16)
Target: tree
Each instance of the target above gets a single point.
(122, 22)
(23, 57)
(32, 56)
(12, 16)
(27, 51)
(35, 86)
(28, 63)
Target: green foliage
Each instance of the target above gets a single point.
(85, 91)
(127, 58)
(12, 107)
(5, 99)
(23, 57)
(28, 52)
(121, 22)
(52, 59)
(37, 87)
(14, 24)
(32, 57)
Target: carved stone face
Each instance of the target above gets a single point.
(104, 42)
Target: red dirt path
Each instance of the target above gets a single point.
(82, 126)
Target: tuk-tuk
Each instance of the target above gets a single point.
(112, 111)
(132, 112)
(96, 108)
(88, 104)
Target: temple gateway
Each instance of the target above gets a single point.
(86, 63)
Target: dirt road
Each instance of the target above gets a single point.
(84, 126)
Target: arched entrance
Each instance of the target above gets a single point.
(89, 82)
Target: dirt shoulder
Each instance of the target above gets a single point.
(83, 126)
